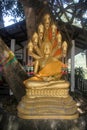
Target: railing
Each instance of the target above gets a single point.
(80, 82)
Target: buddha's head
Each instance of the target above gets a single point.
(40, 31)
(47, 21)
(35, 38)
(47, 48)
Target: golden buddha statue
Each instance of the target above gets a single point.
(47, 24)
(54, 32)
(59, 39)
(47, 94)
(56, 40)
(40, 33)
(47, 21)
(64, 46)
(33, 47)
(30, 51)
(43, 65)
(35, 40)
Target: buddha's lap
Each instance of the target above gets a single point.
(44, 84)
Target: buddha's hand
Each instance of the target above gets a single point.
(38, 76)
(50, 78)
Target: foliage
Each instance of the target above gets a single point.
(79, 72)
(13, 8)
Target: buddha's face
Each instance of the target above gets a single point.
(47, 49)
(41, 31)
(47, 21)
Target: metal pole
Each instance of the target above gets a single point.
(13, 45)
(13, 49)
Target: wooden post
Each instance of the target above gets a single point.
(73, 66)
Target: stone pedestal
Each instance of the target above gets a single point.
(53, 102)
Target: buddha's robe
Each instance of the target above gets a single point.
(51, 69)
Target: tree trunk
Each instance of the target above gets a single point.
(29, 16)
(12, 71)
(30, 21)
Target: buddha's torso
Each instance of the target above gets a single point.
(44, 61)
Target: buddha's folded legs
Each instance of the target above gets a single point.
(45, 84)
(58, 84)
(33, 83)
